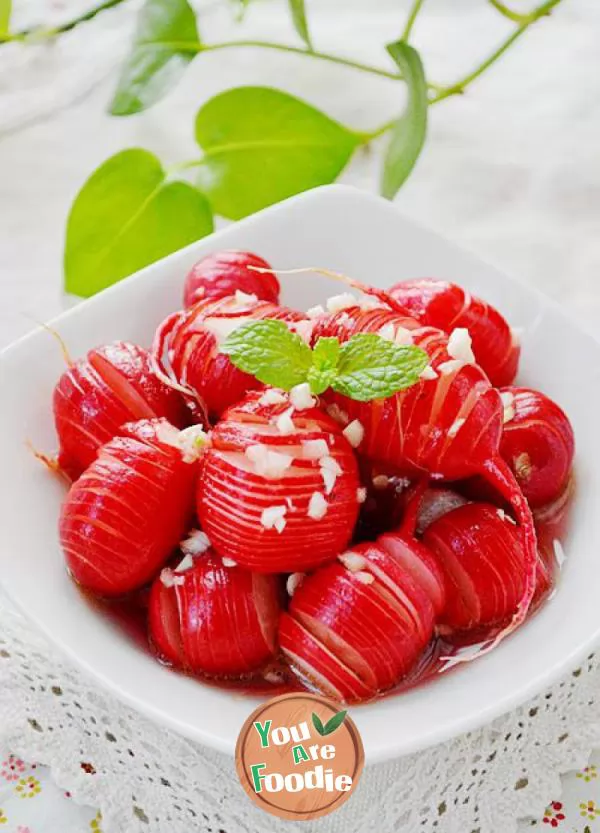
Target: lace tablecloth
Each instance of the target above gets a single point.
(512, 171)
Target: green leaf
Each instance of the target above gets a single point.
(325, 357)
(334, 722)
(298, 10)
(261, 145)
(5, 12)
(372, 367)
(270, 352)
(408, 134)
(165, 42)
(127, 216)
(317, 723)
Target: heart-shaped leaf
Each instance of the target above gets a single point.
(261, 145)
(165, 42)
(298, 11)
(5, 11)
(408, 134)
(126, 216)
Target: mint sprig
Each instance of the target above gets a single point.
(365, 367)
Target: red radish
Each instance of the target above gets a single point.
(222, 273)
(127, 512)
(187, 348)
(317, 666)
(209, 618)
(113, 385)
(446, 305)
(365, 619)
(448, 426)
(537, 443)
(482, 554)
(279, 486)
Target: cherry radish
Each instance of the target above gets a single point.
(448, 426)
(537, 443)
(186, 348)
(211, 617)
(279, 490)
(113, 385)
(125, 515)
(368, 610)
(223, 273)
(448, 306)
(481, 552)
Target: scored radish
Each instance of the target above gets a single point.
(367, 617)
(214, 619)
(225, 273)
(448, 426)
(113, 385)
(445, 305)
(127, 512)
(537, 443)
(267, 497)
(482, 555)
(186, 348)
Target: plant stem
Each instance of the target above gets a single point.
(64, 27)
(459, 87)
(411, 19)
(296, 50)
(516, 17)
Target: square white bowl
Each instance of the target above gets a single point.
(365, 237)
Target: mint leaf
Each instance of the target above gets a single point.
(372, 367)
(127, 216)
(326, 353)
(165, 41)
(5, 12)
(298, 11)
(318, 724)
(325, 357)
(270, 352)
(334, 722)
(261, 146)
(408, 134)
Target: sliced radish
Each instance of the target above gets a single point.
(483, 559)
(187, 348)
(267, 520)
(115, 384)
(438, 303)
(223, 273)
(125, 515)
(538, 444)
(215, 619)
(317, 666)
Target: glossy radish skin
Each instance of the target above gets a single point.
(449, 426)
(482, 555)
(113, 385)
(537, 443)
(223, 273)
(125, 515)
(214, 619)
(236, 496)
(187, 348)
(446, 305)
(368, 618)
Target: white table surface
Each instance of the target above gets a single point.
(511, 170)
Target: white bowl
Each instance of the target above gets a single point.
(362, 236)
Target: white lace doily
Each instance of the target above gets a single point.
(145, 778)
